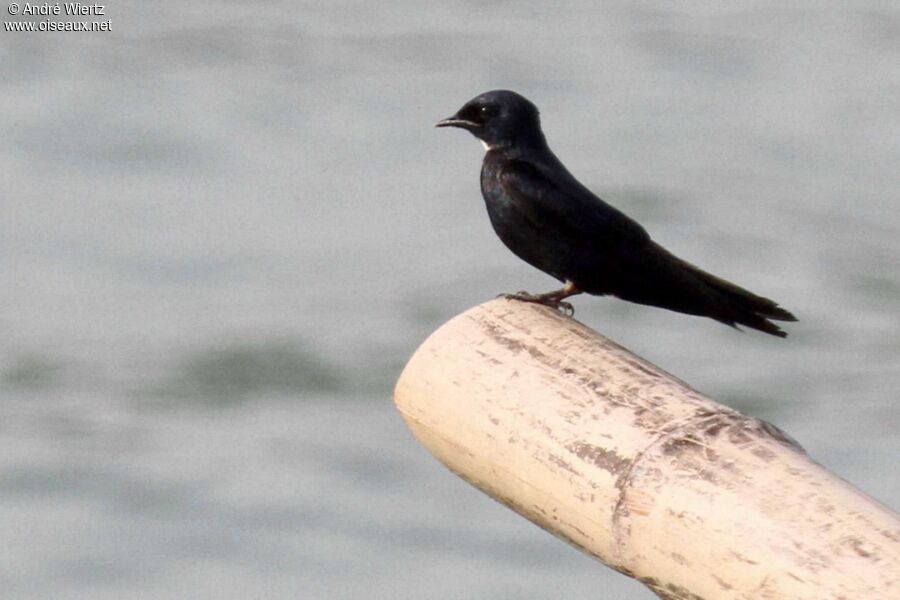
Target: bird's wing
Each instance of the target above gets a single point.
(564, 204)
(613, 254)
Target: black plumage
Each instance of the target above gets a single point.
(550, 220)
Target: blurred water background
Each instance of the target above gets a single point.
(226, 226)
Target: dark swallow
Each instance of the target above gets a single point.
(551, 221)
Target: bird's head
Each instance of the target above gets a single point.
(500, 119)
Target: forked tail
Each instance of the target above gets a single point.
(742, 307)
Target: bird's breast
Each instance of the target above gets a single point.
(504, 208)
(518, 224)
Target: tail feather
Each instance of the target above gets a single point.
(742, 307)
(659, 278)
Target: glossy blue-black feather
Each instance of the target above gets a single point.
(550, 220)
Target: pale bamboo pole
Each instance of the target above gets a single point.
(632, 466)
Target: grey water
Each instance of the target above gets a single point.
(226, 226)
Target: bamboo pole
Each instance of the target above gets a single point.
(632, 466)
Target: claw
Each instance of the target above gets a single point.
(523, 296)
(552, 299)
(565, 308)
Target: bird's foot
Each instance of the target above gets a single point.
(552, 300)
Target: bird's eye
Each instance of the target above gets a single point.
(488, 111)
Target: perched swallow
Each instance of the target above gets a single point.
(553, 222)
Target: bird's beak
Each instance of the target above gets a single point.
(455, 121)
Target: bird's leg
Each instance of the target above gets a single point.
(552, 299)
